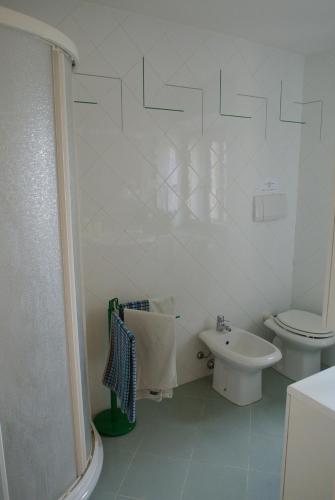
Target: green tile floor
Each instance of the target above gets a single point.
(199, 446)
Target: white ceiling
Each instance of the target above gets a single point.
(305, 26)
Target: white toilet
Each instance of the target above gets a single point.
(240, 357)
(300, 337)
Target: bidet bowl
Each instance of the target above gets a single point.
(241, 348)
(240, 357)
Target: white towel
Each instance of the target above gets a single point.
(155, 352)
(163, 305)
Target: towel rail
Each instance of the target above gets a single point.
(112, 422)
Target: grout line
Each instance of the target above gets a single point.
(129, 466)
(130, 498)
(187, 473)
(249, 436)
(201, 414)
(265, 472)
(171, 458)
(249, 448)
(225, 466)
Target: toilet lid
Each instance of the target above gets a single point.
(303, 321)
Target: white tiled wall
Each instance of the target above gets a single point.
(316, 184)
(165, 209)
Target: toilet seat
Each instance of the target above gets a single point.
(300, 337)
(303, 323)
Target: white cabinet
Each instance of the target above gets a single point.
(309, 440)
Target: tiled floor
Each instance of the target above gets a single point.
(199, 446)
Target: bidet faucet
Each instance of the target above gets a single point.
(221, 325)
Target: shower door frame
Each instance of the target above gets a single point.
(70, 300)
(328, 311)
(328, 315)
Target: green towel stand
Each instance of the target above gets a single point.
(112, 422)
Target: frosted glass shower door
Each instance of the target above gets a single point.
(37, 395)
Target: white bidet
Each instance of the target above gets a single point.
(240, 357)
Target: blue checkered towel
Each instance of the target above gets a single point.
(120, 371)
(140, 305)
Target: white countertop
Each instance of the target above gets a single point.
(319, 389)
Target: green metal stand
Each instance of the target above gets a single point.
(112, 422)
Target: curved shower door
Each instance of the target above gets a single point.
(44, 412)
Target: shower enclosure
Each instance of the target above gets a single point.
(48, 449)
